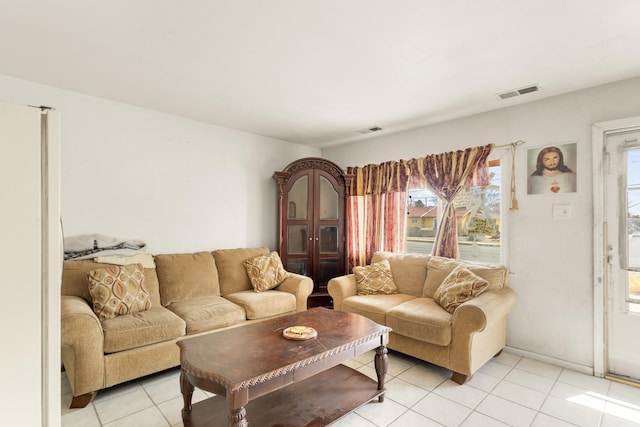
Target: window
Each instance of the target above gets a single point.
(631, 224)
(478, 214)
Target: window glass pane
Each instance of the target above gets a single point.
(328, 238)
(633, 208)
(328, 270)
(422, 220)
(634, 286)
(298, 266)
(297, 197)
(328, 200)
(477, 214)
(297, 237)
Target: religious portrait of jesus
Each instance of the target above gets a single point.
(552, 169)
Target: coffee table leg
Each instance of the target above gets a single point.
(381, 362)
(187, 392)
(237, 413)
(238, 418)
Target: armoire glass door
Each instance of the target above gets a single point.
(328, 247)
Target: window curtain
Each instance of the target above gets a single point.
(446, 174)
(376, 203)
(376, 210)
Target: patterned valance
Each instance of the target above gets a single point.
(398, 176)
(387, 177)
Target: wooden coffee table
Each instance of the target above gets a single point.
(261, 377)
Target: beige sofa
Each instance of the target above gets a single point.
(190, 294)
(462, 341)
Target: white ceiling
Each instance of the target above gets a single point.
(316, 71)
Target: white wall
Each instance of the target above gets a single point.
(177, 184)
(551, 260)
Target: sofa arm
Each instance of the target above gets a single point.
(478, 331)
(340, 288)
(82, 343)
(300, 286)
(475, 315)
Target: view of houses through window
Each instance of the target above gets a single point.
(478, 219)
(632, 223)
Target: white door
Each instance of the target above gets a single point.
(622, 212)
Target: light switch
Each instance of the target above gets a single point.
(561, 211)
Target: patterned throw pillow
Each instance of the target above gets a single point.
(458, 287)
(375, 279)
(266, 271)
(117, 290)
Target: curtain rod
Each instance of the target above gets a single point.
(516, 143)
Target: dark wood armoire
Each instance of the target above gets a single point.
(312, 222)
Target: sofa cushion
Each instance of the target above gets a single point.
(374, 307)
(232, 273)
(118, 290)
(74, 280)
(186, 276)
(142, 328)
(208, 313)
(375, 279)
(264, 304)
(458, 287)
(422, 319)
(409, 270)
(438, 268)
(265, 271)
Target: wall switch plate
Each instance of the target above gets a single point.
(561, 211)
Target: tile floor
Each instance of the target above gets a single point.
(508, 391)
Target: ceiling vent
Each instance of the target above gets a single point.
(518, 92)
(369, 130)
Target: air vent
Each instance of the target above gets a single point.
(528, 90)
(506, 95)
(518, 92)
(369, 130)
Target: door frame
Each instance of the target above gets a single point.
(599, 133)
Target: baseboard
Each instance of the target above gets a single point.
(551, 360)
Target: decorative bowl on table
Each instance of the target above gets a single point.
(299, 333)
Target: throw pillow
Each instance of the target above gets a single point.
(438, 268)
(266, 271)
(460, 286)
(375, 279)
(118, 290)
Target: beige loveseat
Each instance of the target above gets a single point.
(461, 341)
(189, 294)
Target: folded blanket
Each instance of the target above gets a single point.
(146, 260)
(86, 246)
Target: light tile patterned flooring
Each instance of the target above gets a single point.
(510, 390)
